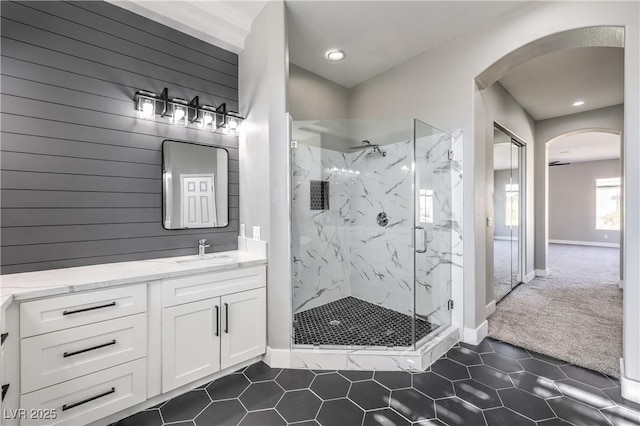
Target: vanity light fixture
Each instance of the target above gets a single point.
(183, 113)
(335, 55)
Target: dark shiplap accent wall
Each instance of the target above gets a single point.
(81, 174)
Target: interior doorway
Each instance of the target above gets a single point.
(509, 212)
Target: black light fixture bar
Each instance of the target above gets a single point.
(149, 105)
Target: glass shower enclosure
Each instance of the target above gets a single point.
(371, 233)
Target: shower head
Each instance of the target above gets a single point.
(368, 145)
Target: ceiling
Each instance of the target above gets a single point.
(392, 33)
(547, 86)
(589, 146)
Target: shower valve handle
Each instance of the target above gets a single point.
(424, 240)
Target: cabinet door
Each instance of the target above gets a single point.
(190, 342)
(244, 326)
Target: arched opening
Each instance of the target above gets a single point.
(534, 207)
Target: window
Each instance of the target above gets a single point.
(512, 205)
(608, 204)
(426, 205)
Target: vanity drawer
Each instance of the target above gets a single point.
(59, 313)
(89, 398)
(176, 291)
(52, 358)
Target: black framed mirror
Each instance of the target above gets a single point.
(195, 185)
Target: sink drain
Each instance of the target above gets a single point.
(334, 322)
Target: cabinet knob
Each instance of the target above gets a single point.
(3, 337)
(5, 388)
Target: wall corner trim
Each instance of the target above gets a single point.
(277, 358)
(530, 276)
(542, 272)
(490, 308)
(474, 336)
(630, 388)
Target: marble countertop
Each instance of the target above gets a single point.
(30, 285)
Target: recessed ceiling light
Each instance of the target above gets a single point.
(335, 55)
(578, 103)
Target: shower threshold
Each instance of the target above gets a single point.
(352, 322)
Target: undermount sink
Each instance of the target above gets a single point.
(207, 259)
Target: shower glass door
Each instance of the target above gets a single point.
(432, 236)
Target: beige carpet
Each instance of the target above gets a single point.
(575, 314)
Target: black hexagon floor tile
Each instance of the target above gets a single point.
(510, 350)
(547, 358)
(504, 417)
(291, 379)
(384, 417)
(221, 413)
(476, 393)
(539, 386)
(230, 386)
(412, 404)
(526, 404)
(584, 393)
(543, 390)
(261, 395)
(588, 377)
(576, 412)
(450, 369)
(263, 418)
(185, 407)
(501, 362)
(340, 412)
(490, 376)
(433, 385)
(542, 369)
(260, 371)
(393, 379)
(464, 356)
(299, 405)
(330, 386)
(369, 395)
(454, 411)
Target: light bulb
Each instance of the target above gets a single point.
(147, 109)
(233, 124)
(178, 114)
(207, 119)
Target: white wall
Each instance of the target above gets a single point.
(610, 118)
(439, 87)
(264, 149)
(312, 97)
(572, 201)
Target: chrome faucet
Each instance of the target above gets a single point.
(202, 245)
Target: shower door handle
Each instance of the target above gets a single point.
(424, 240)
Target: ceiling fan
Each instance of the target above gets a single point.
(558, 163)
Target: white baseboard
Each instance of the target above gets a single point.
(490, 308)
(542, 272)
(630, 388)
(530, 276)
(621, 284)
(497, 237)
(585, 243)
(474, 336)
(277, 358)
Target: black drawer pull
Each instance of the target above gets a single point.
(66, 407)
(5, 388)
(81, 351)
(3, 337)
(77, 311)
(217, 320)
(226, 318)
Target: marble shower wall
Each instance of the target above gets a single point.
(382, 256)
(320, 238)
(343, 251)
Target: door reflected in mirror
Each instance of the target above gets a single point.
(195, 185)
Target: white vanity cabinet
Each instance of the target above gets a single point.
(207, 334)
